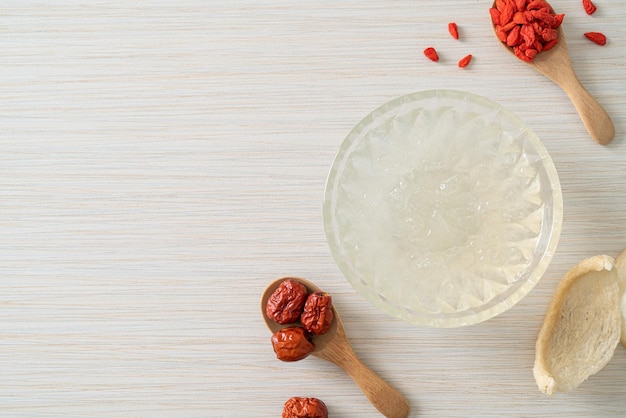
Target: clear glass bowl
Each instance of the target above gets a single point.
(442, 208)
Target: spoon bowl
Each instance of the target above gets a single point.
(321, 341)
(334, 346)
(557, 66)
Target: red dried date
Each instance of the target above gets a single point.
(292, 344)
(318, 313)
(305, 408)
(286, 303)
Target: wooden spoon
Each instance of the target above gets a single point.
(334, 346)
(557, 66)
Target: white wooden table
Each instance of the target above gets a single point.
(162, 161)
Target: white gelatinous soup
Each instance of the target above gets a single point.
(442, 208)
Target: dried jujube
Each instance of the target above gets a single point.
(286, 302)
(292, 343)
(318, 313)
(305, 408)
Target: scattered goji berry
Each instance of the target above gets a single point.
(465, 61)
(589, 7)
(527, 26)
(454, 30)
(596, 37)
(431, 54)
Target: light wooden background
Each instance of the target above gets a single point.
(162, 161)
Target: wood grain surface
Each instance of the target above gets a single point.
(161, 162)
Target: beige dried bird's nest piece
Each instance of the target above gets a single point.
(620, 262)
(584, 324)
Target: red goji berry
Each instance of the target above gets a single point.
(528, 34)
(431, 54)
(597, 37)
(531, 53)
(464, 62)
(501, 33)
(541, 15)
(495, 15)
(589, 7)
(549, 20)
(506, 14)
(513, 37)
(527, 26)
(509, 26)
(528, 14)
(520, 18)
(550, 44)
(454, 30)
(500, 4)
(558, 19)
(521, 54)
(549, 34)
(536, 5)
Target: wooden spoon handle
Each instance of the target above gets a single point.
(593, 115)
(381, 394)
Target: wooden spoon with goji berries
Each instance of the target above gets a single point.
(334, 346)
(531, 31)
